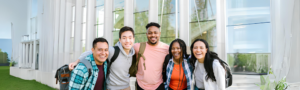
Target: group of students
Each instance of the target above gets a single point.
(160, 66)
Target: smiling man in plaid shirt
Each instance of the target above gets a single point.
(80, 78)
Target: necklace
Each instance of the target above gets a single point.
(176, 69)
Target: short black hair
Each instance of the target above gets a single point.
(96, 40)
(152, 24)
(124, 29)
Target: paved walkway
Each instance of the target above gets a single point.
(241, 82)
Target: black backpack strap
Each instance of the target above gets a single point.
(116, 54)
(88, 65)
(114, 57)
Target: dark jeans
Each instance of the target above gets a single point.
(160, 87)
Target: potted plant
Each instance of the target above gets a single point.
(267, 84)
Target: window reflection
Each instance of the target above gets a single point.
(248, 36)
(141, 8)
(118, 13)
(203, 22)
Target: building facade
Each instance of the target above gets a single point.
(245, 33)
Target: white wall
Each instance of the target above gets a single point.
(285, 19)
(13, 11)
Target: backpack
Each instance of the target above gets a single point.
(116, 54)
(228, 76)
(135, 61)
(63, 74)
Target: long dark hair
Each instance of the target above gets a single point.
(184, 55)
(182, 47)
(208, 60)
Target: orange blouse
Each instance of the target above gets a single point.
(178, 82)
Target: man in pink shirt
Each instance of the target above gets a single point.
(155, 52)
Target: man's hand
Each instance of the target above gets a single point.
(73, 64)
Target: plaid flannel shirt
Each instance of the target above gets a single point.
(187, 67)
(80, 79)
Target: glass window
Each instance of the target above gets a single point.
(33, 21)
(203, 22)
(141, 8)
(99, 18)
(34, 8)
(167, 20)
(118, 19)
(83, 40)
(248, 36)
(72, 32)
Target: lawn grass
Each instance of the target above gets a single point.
(8, 82)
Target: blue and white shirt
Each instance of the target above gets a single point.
(187, 67)
(80, 79)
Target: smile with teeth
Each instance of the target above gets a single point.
(176, 54)
(198, 54)
(102, 56)
(153, 38)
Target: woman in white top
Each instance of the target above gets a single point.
(209, 72)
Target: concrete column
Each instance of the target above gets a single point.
(26, 52)
(61, 42)
(128, 13)
(221, 28)
(23, 55)
(78, 28)
(33, 55)
(30, 54)
(108, 21)
(56, 33)
(184, 21)
(90, 24)
(20, 55)
(68, 31)
(153, 11)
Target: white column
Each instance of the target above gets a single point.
(30, 54)
(61, 32)
(27, 54)
(50, 25)
(23, 55)
(153, 11)
(128, 13)
(221, 28)
(108, 21)
(90, 24)
(20, 55)
(33, 55)
(184, 21)
(78, 28)
(56, 32)
(68, 31)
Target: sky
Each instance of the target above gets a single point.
(6, 46)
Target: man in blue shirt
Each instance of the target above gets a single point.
(80, 78)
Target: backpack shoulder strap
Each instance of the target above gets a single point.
(88, 65)
(116, 54)
(142, 48)
(141, 52)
